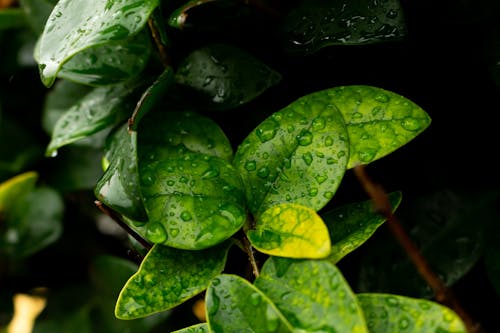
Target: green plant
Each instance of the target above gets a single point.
(191, 183)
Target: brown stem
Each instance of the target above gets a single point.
(162, 49)
(115, 217)
(442, 293)
(247, 247)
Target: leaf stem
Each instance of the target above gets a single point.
(162, 48)
(248, 248)
(115, 217)
(442, 293)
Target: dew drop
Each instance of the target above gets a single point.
(320, 179)
(318, 124)
(156, 233)
(170, 182)
(367, 154)
(183, 179)
(308, 158)
(272, 319)
(186, 216)
(404, 323)
(174, 232)
(267, 130)
(392, 14)
(383, 98)
(331, 161)
(391, 301)
(305, 138)
(328, 141)
(411, 124)
(255, 299)
(313, 192)
(53, 154)
(328, 195)
(263, 172)
(376, 110)
(210, 173)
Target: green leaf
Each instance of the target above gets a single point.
(11, 18)
(223, 76)
(312, 294)
(177, 18)
(109, 285)
(74, 26)
(313, 25)
(37, 12)
(393, 313)
(234, 305)
(100, 108)
(168, 277)
(198, 328)
(193, 201)
(297, 155)
(378, 121)
(110, 63)
(290, 230)
(353, 224)
(118, 188)
(16, 189)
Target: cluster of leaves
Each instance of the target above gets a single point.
(125, 85)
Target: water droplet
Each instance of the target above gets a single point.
(392, 14)
(313, 192)
(404, 323)
(183, 179)
(376, 110)
(265, 155)
(357, 115)
(331, 161)
(267, 130)
(155, 232)
(341, 153)
(328, 141)
(170, 182)
(255, 299)
(318, 124)
(328, 195)
(321, 179)
(186, 216)
(367, 155)
(392, 301)
(53, 154)
(147, 179)
(210, 173)
(263, 172)
(383, 98)
(305, 138)
(207, 80)
(272, 319)
(308, 158)
(411, 124)
(174, 232)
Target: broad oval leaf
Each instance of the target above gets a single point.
(16, 189)
(168, 277)
(223, 76)
(290, 230)
(110, 63)
(312, 294)
(353, 224)
(378, 121)
(394, 313)
(102, 107)
(198, 328)
(234, 305)
(74, 26)
(118, 187)
(297, 155)
(313, 25)
(193, 201)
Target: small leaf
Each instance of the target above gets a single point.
(224, 77)
(313, 25)
(74, 26)
(291, 230)
(234, 305)
(393, 313)
(118, 187)
(297, 155)
(168, 277)
(16, 189)
(378, 121)
(198, 328)
(353, 224)
(312, 294)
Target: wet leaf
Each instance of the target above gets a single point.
(193, 200)
(37, 12)
(393, 313)
(118, 188)
(101, 108)
(353, 224)
(74, 26)
(110, 63)
(234, 305)
(378, 121)
(178, 17)
(313, 25)
(223, 76)
(297, 155)
(168, 277)
(198, 328)
(290, 230)
(15, 189)
(312, 294)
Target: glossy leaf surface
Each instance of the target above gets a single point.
(292, 231)
(74, 26)
(168, 277)
(118, 187)
(234, 305)
(224, 76)
(313, 25)
(378, 121)
(353, 224)
(312, 294)
(297, 155)
(198, 328)
(393, 313)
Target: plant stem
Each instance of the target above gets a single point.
(442, 293)
(115, 217)
(162, 49)
(247, 247)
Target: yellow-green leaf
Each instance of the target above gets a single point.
(12, 190)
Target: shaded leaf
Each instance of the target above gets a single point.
(37, 12)
(297, 155)
(198, 328)
(74, 26)
(16, 189)
(78, 321)
(234, 305)
(313, 25)
(290, 230)
(393, 313)
(168, 277)
(223, 76)
(312, 294)
(353, 224)
(378, 121)
(11, 18)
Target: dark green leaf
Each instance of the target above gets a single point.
(312, 294)
(168, 277)
(234, 305)
(353, 224)
(198, 328)
(224, 77)
(74, 26)
(315, 24)
(297, 155)
(37, 12)
(78, 321)
(393, 313)
(11, 18)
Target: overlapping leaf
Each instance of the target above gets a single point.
(198, 328)
(168, 277)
